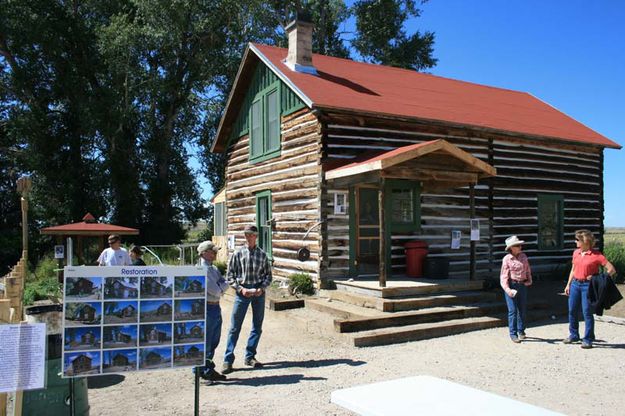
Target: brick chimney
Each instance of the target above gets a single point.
(299, 58)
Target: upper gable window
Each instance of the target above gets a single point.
(265, 124)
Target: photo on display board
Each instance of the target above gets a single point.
(81, 314)
(121, 288)
(154, 357)
(187, 332)
(188, 309)
(155, 334)
(153, 287)
(119, 361)
(83, 288)
(189, 286)
(82, 338)
(121, 312)
(120, 336)
(155, 311)
(81, 363)
(188, 355)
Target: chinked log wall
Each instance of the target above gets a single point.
(294, 181)
(505, 205)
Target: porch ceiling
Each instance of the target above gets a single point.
(437, 164)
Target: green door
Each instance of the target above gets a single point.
(367, 232)
(263, 218)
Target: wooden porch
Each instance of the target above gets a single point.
(397, 287)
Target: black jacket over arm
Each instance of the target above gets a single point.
(602, 293)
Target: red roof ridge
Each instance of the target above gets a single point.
(394, 68)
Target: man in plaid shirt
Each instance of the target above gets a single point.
(249, 273)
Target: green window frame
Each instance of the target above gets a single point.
(220, 225)
(264, 221)
(550, 221)
(264, 121)
(403, 205)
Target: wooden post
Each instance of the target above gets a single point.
(382, 234)
(473, 243)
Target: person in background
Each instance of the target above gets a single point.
(515, 277)
(215, 287)
(586, 262)
(115, 255)
(135, 256)
(249, 274)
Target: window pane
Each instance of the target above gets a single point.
(368, 213)
(218, 219)
(402, 206)
(273, 121)
(550, 222)
(256, 132)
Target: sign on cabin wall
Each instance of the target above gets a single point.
(456, 236)
(118, 319)
(475, 229)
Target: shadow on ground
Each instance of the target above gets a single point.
(312, 363)
(101, 382)
(270, 380)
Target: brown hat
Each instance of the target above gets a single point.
(250, 229)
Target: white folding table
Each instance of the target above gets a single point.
(426, 395)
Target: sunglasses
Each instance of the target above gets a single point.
(579, 239)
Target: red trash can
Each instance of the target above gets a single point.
(415, 256)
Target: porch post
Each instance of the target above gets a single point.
(382, 233)
(473, 243)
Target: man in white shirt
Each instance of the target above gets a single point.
(115, 255)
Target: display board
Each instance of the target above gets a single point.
(118, 319)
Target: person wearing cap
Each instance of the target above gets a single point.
(249, 274)
(585, 264)
(115, 255)
(135, 255)
(216, 286)
(515, 277)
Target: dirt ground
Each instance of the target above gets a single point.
(303, 369)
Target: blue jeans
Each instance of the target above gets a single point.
(517, 308)
(238, 315)
(578, 298)
(213, 334)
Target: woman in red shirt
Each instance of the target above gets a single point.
(586, 262)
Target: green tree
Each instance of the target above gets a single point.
(381, 38)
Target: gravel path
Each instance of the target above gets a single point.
(302, 370)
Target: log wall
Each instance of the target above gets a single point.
(294, 181)
(505, 205)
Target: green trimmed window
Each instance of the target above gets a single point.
(219, 219)
(550, 222)
(263, 221)
(265, 124)
(404, 205)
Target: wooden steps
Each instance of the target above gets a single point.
(411, 302)
(408, 288)
(428, 330)
(365, 315)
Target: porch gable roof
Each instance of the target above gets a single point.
(421, 161)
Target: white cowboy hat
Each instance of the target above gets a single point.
(513, 241)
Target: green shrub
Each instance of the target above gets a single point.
(42, 284)
(221, 266)
(301, 283)
(615, 252)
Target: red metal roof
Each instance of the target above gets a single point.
(89, 227)
(345, 84)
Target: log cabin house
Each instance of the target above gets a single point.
(352, 160)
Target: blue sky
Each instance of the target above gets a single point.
(570, 54)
